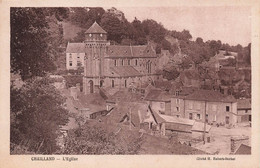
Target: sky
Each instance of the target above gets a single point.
(230, 24)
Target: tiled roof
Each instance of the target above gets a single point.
(130, 51)
(124, 96)
(243, 104)
(95, 28)
(75, 48)
(125, 71)
(210, 95)
(158, 95)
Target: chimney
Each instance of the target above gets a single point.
(237, 141)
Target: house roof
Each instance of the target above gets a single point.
(177, 120)
(243, 104)
(125, 71)
(210, 95)
(243, 150)
(123, 96)
(199, 127)
(95, 28)
(165, 85)
(158, 95)
(130, 51)
(75, 48)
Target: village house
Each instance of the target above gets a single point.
(159, 100)
(206, 106)
(244, 110)
(111, 66)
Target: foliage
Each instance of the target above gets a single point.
(72, 80)
(37, 112)
(171, 74)
(35, 37)
(95, 140)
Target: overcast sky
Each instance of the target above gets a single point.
(229, 24)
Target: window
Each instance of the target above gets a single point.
(177, 101)
(177, 93)
(198, 116)
(70, 63)
(115, 63)
(90, 35)
(125, 83)
(190, 116)
(101, 35)
(113, 84)
(177, 109)
(136, 62)
(78, 63)
(122, 62)
(227, 108)
(129, 61)
(207, 118)
(70, 56)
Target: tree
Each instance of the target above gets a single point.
(114, 27)
(33, 40)
(96, 140)
(37, 112)
(154, 30)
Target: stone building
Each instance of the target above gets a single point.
(111, 66)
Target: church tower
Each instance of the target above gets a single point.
(95, 48)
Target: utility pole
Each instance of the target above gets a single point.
(204, 131)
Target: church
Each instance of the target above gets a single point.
(111, 66)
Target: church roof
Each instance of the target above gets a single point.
(75, 48)
(95, 28)
(125, 71)
(130, 51)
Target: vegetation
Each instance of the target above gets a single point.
(37, 112)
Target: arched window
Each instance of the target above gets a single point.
(122, 62)
(115, 62)
(136, 62)
(125, 83)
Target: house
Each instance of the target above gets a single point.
(115, 66)
(244, 110)
(206, 105)
(159, 100)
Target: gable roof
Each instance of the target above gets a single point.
(158, 95)
(95, 28)
(130, 51)
(210, 95)
(125, 71)
(75, 48)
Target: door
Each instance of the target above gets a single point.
(227, 119)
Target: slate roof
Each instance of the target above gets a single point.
(125, 71)
(158, 95)
(243, 104)
(210, 95)
(75, 48)
(95, 28)
(130, 51)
